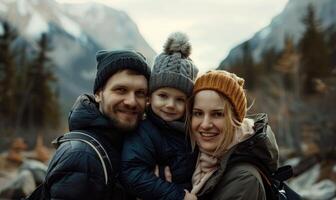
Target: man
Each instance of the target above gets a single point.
(120, 92)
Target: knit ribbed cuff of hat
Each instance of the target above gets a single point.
(170, 79)
(228, 87)
(123, 63)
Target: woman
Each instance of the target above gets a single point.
(219, 127)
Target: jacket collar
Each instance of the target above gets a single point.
(85, 115)
(176, 126)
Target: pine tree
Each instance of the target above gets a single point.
(43, 109)
(23, 89)
(7, 76)
(245, 67)
(288, 64)
(269, 58)
(248, 66)
(332, 47)
(313, 50)
(287, 68)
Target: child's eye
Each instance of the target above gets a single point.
(181, 100)
(140, 93)
(164, 96)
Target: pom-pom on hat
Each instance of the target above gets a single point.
(173, 68)
(228, 84)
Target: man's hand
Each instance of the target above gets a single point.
(189, 196)
(156, 170)
(167, 173)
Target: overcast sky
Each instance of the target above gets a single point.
(213, 26)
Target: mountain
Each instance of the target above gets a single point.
(287, 24)
(77, 31)
(115, 27)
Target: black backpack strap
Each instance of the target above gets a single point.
(38, 194)
(284, 173)
(95, 145)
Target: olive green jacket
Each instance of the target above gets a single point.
(242, 180)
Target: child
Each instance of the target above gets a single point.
(161, 139)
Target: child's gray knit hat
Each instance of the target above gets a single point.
(173, 68)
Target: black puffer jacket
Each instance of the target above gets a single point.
(162, 143)
(75, 171)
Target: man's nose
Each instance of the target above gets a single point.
(130, 100)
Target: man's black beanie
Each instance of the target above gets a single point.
(109, 62)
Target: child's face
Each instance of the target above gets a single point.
(168, 103)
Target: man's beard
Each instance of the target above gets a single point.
(125, 128)
(111, 114)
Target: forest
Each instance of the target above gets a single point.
(296, 88)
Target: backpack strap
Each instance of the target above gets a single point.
(94, 144)
(284, 173)
(38, 194)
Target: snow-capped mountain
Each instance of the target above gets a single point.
(287, 23)
(33, 17)
(116, 29)
(77, 31)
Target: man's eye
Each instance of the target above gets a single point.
(120, 90)
(141, 94)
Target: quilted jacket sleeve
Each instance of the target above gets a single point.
(75, 173)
